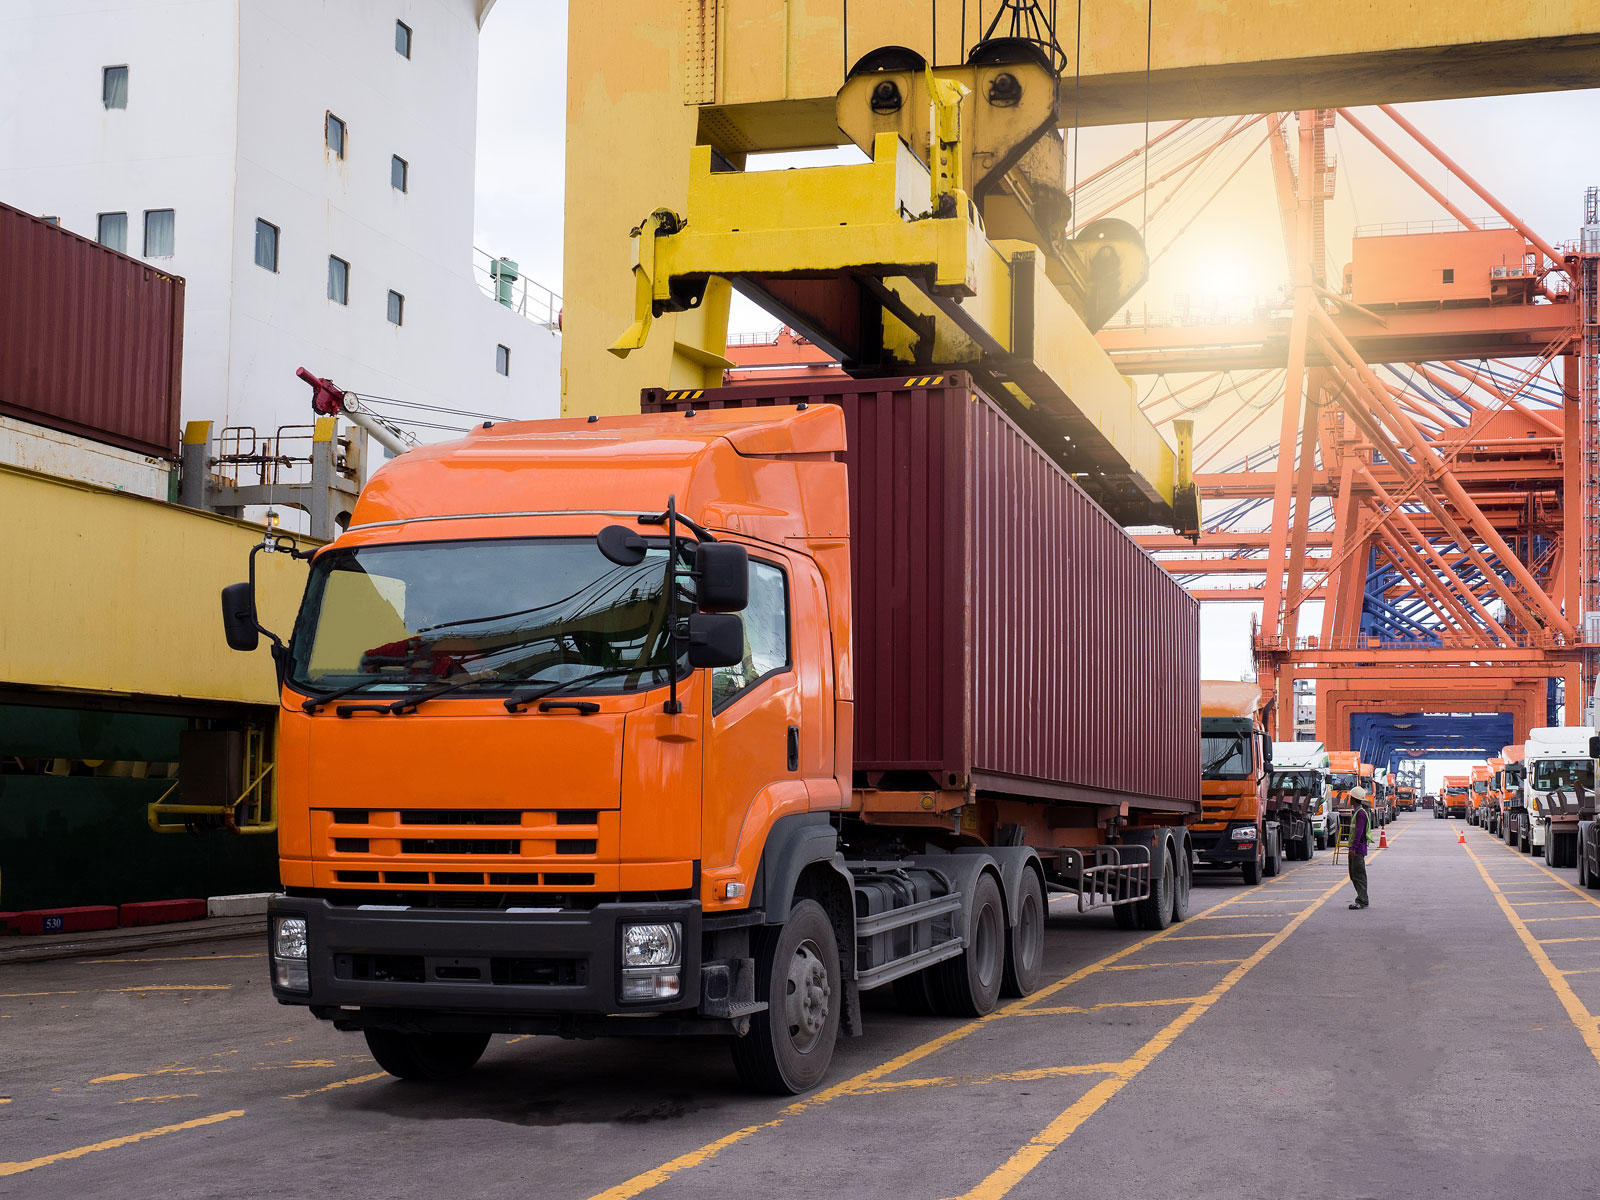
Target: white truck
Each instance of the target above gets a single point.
(1557, 792)
(1304, 769)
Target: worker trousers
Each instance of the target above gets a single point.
(1358, 876)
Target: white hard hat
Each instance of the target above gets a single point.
(1358, 793)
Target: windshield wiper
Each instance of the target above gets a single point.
(516, 703)
(313, 703)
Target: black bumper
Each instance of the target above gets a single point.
(1216, 847)
(477, 962)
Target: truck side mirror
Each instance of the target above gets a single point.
(239, 617)
(722, 578)
(1594, 747)
(716, 639)
(621, 545)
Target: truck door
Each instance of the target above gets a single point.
(758, 731)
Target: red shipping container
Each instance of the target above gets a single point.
(161, 912)
(1007, 632)
(68, 920)
(91, 341)
(9, 922)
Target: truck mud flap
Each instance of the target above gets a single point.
(1103, 876)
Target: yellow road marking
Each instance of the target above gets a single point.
(650, 1178)
(1185, 962)
(1089, 1008)
(1019, 1165)
(1582, 1019)
(1025, 1075)
(1582, 971)
(1214, 937)
(328, 1087)
(1583, 917)
(88, 962)
(17, 1168)
(1540, 903)
(160, 1099)
(180, 1069)
(5, 1099)
(1250, 916)
(1560, 941)
(646, 1180)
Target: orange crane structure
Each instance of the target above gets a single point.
(1436, 480)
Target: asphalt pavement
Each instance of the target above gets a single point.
(1442, 1043)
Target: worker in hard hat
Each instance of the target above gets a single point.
(1361, 821)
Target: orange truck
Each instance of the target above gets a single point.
(1455, 796)
(1478, 795)
(1240, 826)
(693, 722)
(1509, 804)
(1489, 811)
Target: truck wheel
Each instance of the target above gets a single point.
(789, 1046)
(1252, 870)
(1155, 910)
(1309, 846)
(1274, 862)
(1583, 867)
(1025, 940)
(426, 1057)
(1590, 880)
(968, 985)
(1180, 894)
(1127, 915)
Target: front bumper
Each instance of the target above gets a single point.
(478, 961)
(1216, 847)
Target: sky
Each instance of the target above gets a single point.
(1536, 152)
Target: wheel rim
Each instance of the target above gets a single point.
(808, 995)
(986, 945)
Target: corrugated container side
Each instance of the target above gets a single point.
(1005, 627)
(91, 341)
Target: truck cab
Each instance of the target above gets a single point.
(1478, 796)
(1557, 791)
(1300, 792)
(1494, 801)
(1235, 768)
(1455, 795)
(1512, 811)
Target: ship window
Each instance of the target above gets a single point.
(114, 87)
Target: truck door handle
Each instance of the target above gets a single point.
(794, 747)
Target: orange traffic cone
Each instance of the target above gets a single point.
(1462, 837)
(1383, 839)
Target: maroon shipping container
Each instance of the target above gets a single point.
(1006, 629)
(91, 341)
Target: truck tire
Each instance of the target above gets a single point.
(426, 1057)
(1025, 940)
(1590, 879)
(1583, 867)
(1252, 870)
(1274, 863)
(968, 985)
(1180, 895)
(1155, 910)
(1309, 846)
(1127, 915)
(914, 994)
(789, 1046)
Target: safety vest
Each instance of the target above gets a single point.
(1365, 832)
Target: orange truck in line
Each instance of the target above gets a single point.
(1455, 796)
(1509, 804)
(692, 722)
(1248, 821)
(1478, 795)
(1489, 812)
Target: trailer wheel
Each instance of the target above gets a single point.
(1155, 910)
(1127, 915)
(1583, 867)
(1025, 940)
(1590, 879)
(789, 1046)
(1274, 862)
(968, 985)
(426, 1057)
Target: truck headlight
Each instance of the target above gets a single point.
(651, 954)
(651, 945)
(290, 968)
(1244, 833)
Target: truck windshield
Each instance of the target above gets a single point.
(1296, 783)
(1552, 773)
(1224, 756)
(1343, 779)
(513, 609)
(1480, 786)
